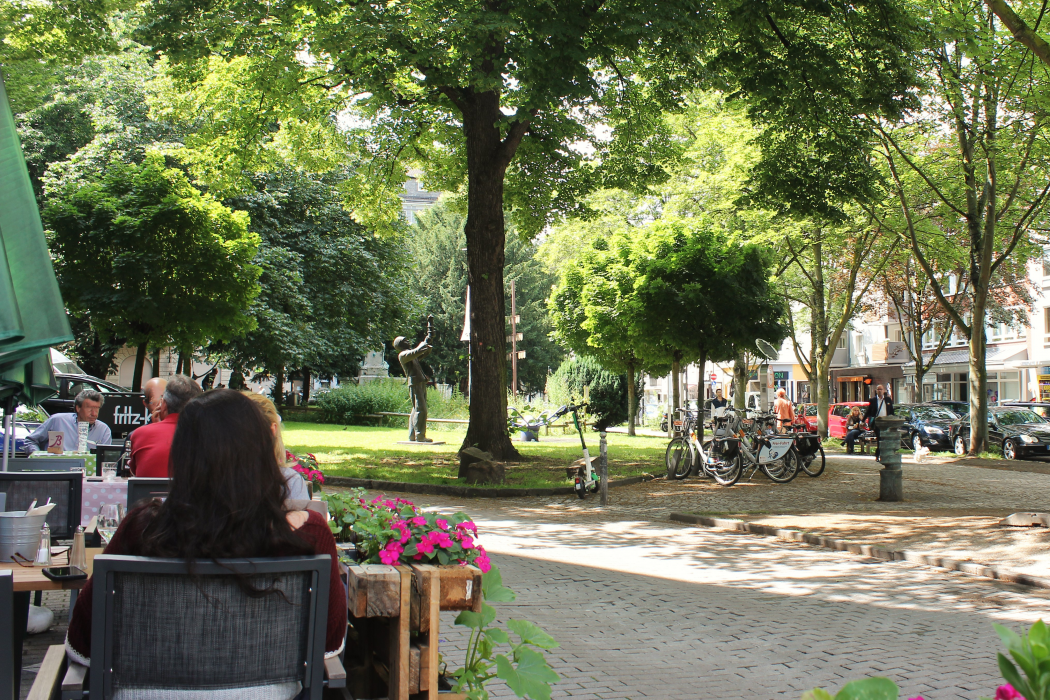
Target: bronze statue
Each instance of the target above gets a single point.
(417, 379)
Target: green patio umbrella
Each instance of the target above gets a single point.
(32, 315)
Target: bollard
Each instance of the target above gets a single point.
(603, 467)
(891, 477)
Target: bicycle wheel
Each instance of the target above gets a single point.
(783, 471)
(679, 458)
(727, 473)
(816, 467)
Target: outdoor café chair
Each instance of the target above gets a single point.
(158, 629)
(64, 488)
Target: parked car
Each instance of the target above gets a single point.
(21, 432)
(925, 425)
(837, 415)
(807, 413)
(959, 408)
(1041, 408)
(1020, 432)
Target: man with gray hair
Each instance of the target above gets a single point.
(151, 444)
(85, 409)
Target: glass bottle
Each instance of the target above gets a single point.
(43, 552)
(78, 555)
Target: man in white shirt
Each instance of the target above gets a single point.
(880, 405)
(85, 408)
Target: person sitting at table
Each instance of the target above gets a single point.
(151, 443)
(297, 489)
(152, 393)
(227, 501)
(85, 408)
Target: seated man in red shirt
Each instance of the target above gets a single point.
(151, 443)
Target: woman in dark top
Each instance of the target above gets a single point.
(226, 502)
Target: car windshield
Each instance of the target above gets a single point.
(932, 413)
(1018, 416)
(811, 410)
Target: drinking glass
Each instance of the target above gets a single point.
(109, 471)
(109, 517)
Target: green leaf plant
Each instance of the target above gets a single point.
(1032, 653)
(876, 688)
(524, 669)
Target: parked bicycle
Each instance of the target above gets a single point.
(685, 450)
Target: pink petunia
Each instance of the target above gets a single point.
(483, 563)
(467, 542)
(387, 557)
(425, 546)
(406, 534)
(1007, 692)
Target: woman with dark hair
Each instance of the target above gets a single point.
(226, 501)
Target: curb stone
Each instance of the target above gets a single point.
(464, 491)
(866, 550)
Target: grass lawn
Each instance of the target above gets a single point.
(372, 453)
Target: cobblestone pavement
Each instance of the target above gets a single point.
(648, 609)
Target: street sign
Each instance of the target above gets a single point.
(713, 376)
(521, 355)
(520, 337)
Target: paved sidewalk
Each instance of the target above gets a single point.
(646, 609)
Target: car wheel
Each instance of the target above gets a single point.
(1010, 449)
(916, 442)
(960, 446)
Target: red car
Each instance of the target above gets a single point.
(807, 413)
(837, 414)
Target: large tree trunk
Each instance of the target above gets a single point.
(306, 385)
(701, 362)
(978, 384)
(676, 368)
(140, 362)
(278, 387)
(740, 379)
(156, 362)
(486, 165)
(632, 399)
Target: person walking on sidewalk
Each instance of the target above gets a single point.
(784, 411)
(854, 428)
(880, 405)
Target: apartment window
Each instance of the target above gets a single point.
(1046, 321)
(1046, 266)
(898, 335)
(842, 342)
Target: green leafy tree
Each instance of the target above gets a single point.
(151, 258)
(967, 178)
(609, 394)
(699, 296)
(330, 290)
(500, 94)
(592, 306)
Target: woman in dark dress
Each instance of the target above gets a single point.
(226, 502)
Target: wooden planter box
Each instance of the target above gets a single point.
(395, 619)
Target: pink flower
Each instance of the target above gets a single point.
(419, 521)
(406, 534)
(425, 546)
(442, 523)
(467, 542)
(468, 525)
(1007, 692)
(387, 557)
(418, 557)
(483, 563)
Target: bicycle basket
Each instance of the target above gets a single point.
(807, 444)
(725, 448)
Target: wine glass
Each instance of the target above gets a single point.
(109, 517)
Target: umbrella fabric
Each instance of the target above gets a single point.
(32, 315)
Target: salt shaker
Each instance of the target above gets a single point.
(43, 552)
(78, 555)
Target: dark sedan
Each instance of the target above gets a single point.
(959, 408)
(925, 425)
(1020, 432)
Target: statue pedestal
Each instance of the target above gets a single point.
(413, 442)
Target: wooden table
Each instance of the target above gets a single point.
(28, 579)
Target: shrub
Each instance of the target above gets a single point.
(607, 395)
(351, 403)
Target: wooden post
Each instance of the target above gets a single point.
(397, 688)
